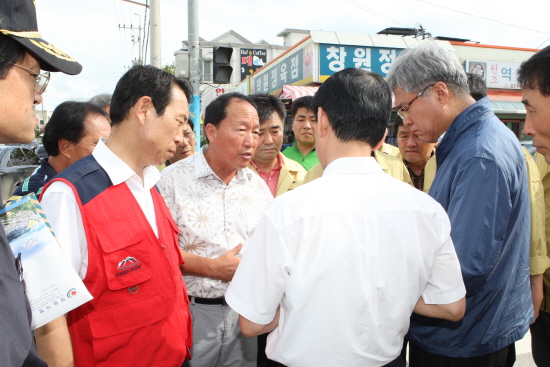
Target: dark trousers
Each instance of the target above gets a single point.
(262, 359)
(540, 340)
(396, 363)
(505, 357)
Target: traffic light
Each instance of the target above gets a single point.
(222, 65)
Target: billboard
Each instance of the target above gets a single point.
(251, 60)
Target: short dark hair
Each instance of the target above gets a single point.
(148, 81)
(306, 102)
(398, 121)
(67, 122)
(216, 111)
(357, 103)
(10, 52)
(267, 105)
(477, 85)
(535, 72)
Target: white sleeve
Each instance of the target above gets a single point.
(63, 213)
(259, 283)
(445, 284)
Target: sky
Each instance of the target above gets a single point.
(89, 30)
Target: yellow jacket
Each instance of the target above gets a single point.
(393, 166)
(544, 171)
(389, 149)
(429, 171)
(291, 176)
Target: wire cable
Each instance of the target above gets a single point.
(478, 16)
(374, 12)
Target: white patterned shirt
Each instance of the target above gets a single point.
(212, 217)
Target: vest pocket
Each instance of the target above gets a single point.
(125, 254)
(131, 333)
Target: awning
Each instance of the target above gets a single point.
(296, 91)
(507, 103)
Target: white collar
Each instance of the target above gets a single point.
(118, 171)
(353, 165)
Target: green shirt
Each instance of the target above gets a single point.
(307, 162)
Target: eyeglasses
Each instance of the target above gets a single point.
(41, 79)
(403, 112)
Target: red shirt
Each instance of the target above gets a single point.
(271, 178)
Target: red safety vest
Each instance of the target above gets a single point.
(140, 312)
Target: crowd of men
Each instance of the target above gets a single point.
(336, 250)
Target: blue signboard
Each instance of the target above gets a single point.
(288, 71)
(334, 58)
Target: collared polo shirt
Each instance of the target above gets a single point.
(271, 178)
(294, 153)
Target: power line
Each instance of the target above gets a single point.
(146, 31)
(478, 16)
(374, 12)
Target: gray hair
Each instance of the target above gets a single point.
(102, 100)
(426, 64)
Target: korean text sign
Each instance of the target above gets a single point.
(333, 58)
(289, 70)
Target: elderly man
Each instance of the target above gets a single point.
(320, 265)
(119, 235)
(534, 77)
(280, 173)
(103, 100)
(217, 203)
(72, 133)
(418, 157)
(303, 148)
(481, 182)
(22, 54)
(187, 147)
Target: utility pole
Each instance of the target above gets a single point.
(194, 65)
(154, 16)
(139, 61)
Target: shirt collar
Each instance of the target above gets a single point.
(203, 169)
(467, 119)
(279, 163)
(118, 171)
(353, 165)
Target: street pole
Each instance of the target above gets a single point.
(155, 33)
(194, 65)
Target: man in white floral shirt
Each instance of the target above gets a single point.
(217, 203)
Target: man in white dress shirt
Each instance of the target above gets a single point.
(336, 267)
(217, 203)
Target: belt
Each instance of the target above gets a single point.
(208, 301)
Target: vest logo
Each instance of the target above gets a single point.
(128, 265)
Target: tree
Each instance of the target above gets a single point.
(170, 68)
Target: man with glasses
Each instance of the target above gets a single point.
(481, 182)
(22, 54)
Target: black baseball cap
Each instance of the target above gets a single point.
(18, 21)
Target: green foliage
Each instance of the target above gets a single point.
(170, 68)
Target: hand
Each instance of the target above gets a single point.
(224, 267)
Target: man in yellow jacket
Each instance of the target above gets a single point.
(280, 173)
(418, 157)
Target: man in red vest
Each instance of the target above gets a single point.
(119, 235)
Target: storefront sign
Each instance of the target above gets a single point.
(502, 75)
(252, 60)
(334, 58)
(286, 71)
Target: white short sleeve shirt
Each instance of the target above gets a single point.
(347, 257)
